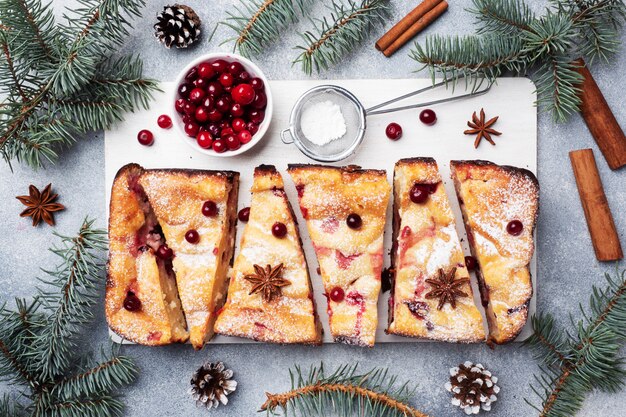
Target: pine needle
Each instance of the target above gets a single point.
(336, 35)
(345, 391)
(511, 39)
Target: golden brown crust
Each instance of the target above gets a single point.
(349, 259)
(491, 196)
(292, 317)
(425, 241)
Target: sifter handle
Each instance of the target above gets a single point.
(287, 140)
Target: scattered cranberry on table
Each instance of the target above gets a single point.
(164, 121)
(337, 294)
(244, 214)
(428, 117)
(393, 131)
(192, 236)
(221, 105)
(514, 227)
(279, 230)
(145, 137)
(354, 221)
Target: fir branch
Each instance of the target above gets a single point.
(547, 44)
(38, 341)
(345, 391)
(259, 23)
(336, 35)
(574, 366)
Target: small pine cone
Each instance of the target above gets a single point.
(178, 26)
(473, 387)
(211, 384)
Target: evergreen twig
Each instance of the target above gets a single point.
(259, 23)
(345, 391)
(512, 39)
(58, 75)
(575, 365)
(334, 36)
(39, 350)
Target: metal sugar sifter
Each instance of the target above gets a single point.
(354, 114)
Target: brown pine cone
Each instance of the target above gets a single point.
(473, 387)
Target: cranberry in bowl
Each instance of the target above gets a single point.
(222, 104)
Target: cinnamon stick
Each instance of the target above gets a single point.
(600, 120)
(413, 23)
(596, 207)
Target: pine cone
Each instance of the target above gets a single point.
(178, 26)
(211, 384)
(473, 387)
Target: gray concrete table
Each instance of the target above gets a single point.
(567, 265)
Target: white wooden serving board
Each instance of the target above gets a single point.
(513, 99)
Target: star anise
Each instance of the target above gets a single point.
(40, 205)
(267, 281)
(482, 129)
(446, 288)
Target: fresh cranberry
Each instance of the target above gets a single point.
(428, 117)
(514, 227)
(202, 114)
(337, 294)
(243, 94)
(228, 89)
(256, 116)
(279, 229)
(164, 252)
(471, 263)
(238, 124)
(131, 302)
(192, 129)
(393, 131)
(184, 89)
(227, 131)
(215, 115)
(236, 110)
(205, 70)
(145, 137)
(419, 193)
(244, 137)
(214, 89)
(209, 209)
(196, 95)
(226, 79)
(219, 66)
(202, 83)
(223, 104)
(232, 142)
(192, 74)
(252, 128)
(244, 214)
(235, 68)
(354, 221)
(260, 101)
(209, 102)
(179, 105)
(186, 118)
(214, 130)
(223, 124)
(192, 236)
(244, 77)
(164, 121)
(205, 139)
(220, 146)
(189, 108)
(257, 83)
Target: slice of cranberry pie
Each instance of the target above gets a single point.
(197, 211)
(171, 233)
(500, 206)
(431, 294)
(345, 212)
(270, 297)
(142, 303)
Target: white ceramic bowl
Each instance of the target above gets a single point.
(254, 71)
